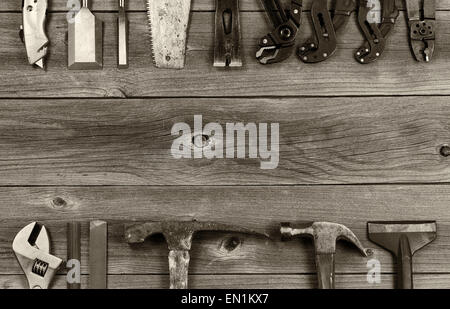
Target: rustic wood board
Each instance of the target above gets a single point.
(128, 142)
(197, 5)
(219, 281)
(396, 74)
(358, 143)
(260, 208)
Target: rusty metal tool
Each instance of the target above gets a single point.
(278, 45)
(227, 50)
(32, 31)
(32, 249)
(168, 22)
(122, 33)
(403, 239)
(375, 34)
(324, 43)
(422, 27)
(325, 235)
(98, 254)
(74, 249)
(179, 237)
(85, 41)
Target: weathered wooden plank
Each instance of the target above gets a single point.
(197, 5)
(219, 281)
(128, 142)
(396, 74)
(260, 208)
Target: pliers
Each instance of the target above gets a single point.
(324, 43)
(279, 44)
(375, 34)
(422, 29)
(32, 248)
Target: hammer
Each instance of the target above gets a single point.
(178, 236)
(325, 235)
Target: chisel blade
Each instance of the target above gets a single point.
(98, 238)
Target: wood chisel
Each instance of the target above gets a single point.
(85, 41)
(98, 246)
(74, 252)
(122, 41)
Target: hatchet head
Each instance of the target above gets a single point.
(325, 235)
(178, 234)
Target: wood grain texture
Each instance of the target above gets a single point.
(422, 281)
(128, 142)
(197, 5)
(260, 208)
(397, 73)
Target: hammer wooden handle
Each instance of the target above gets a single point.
(178, 268)
(325, 270)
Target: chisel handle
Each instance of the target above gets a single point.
(179, 268)
(325, 270)
(404, 264)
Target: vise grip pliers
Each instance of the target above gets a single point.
(324, 43)
(422, 28)
(32, 248)
(280, 43)
(375, 34)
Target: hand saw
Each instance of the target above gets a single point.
(168, 22)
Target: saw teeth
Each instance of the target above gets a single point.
(150, 32)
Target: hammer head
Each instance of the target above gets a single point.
(177, 234)
(387, 234)
(325, 235)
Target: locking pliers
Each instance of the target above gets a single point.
(375, 34)
(32, 248)
(422, 28)
(278, 45)
(324, 43)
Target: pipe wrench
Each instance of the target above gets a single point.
(422, 28)
(32, 249)
(33, 30)
(278, 45)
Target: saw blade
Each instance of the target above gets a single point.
(168, 24)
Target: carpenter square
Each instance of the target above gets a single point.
(32, 31)
(122, 40)
(403, 239)
(85, 41)
(168, 23)
(98, 260)
(179, 237)
(325, 235)
(228, 34)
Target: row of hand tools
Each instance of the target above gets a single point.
(169, 20)
(32, 247)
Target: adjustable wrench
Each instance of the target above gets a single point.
(32, 249)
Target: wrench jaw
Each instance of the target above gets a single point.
(34, 258)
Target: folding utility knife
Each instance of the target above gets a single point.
(33, 31)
